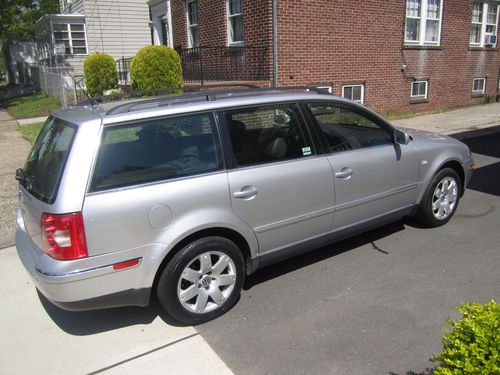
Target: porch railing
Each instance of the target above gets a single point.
(123, 69)
(220, 63)
(214, 63)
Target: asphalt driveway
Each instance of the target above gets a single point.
(374, 304)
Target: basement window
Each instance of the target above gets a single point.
(423, 22)
(419, 89)
(478, 85)
(355, 93)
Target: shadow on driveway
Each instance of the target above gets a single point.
(315, 256)
(486, 179)
(83, 323)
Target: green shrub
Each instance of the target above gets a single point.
(472, 345)
(156, 67)
(488, 99)
(100, 73)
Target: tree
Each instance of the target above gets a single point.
(17, 17)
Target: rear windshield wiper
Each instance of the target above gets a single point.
(21, 176)
(25, 179)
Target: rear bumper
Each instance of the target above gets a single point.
(89, 283)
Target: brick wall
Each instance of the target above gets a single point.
(349, 41)
(212, 26)
(339, 42)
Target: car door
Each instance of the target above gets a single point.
(373, 175)
(278, 184)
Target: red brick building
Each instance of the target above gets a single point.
(392, 55)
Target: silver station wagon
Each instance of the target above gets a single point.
(179, 197)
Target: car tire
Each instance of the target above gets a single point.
(202, 281)
(441, 198)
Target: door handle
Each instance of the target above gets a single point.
(344, 173)
(246, 192)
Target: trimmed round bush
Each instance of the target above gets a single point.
(100, 73)
(472, 344)
(156, 67)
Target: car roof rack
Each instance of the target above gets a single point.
(169, 96)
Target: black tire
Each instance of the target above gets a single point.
(172, 282)
(426, 215)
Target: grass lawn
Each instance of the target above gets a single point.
(30, 131)
(33, 105)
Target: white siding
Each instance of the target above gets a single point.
(117, 27)
(76, 7)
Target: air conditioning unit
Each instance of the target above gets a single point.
(490, 40)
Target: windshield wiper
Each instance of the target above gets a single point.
(21, 176)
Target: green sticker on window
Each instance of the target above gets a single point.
(306, 151)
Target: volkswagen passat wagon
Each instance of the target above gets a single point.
(180, 197)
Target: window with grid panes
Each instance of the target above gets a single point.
(193, 33)
(484, 22)
(70, 39)
(235, 21)
(423, 22)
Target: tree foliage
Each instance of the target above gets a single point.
(17, 17)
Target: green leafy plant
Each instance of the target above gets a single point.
(156, 67)
(472, 344)
(488, 99)
(100, 73)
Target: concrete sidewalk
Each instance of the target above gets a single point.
(13, 152)
(38, 338)
(455, 121)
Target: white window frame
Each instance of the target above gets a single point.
(325, 87)
(70, 38)
(230, 33)
(413, 96)
(484, 24)
(362, 100)
(422, 19)
(192, 28)
(483, 79)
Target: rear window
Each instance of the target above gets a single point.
(47, 159)
(156, 150)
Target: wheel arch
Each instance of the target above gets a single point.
(457, 167)
(227, 233)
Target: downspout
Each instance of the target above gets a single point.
(275, 43)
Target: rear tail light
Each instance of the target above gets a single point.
(64, 236)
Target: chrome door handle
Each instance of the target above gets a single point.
(345, 173)
(246, 192)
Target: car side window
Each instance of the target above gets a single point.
(155, 150)
(345, 129)
(266, 134)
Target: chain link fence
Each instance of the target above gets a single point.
(60, 84)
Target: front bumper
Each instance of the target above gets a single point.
(89, 283)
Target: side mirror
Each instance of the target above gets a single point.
(401, 137)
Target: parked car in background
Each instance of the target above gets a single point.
(180, 197)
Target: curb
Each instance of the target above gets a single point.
(32, 120)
